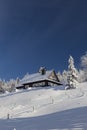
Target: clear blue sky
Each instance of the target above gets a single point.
(36, 33)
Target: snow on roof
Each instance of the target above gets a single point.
(35, 77)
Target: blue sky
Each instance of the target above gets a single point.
(36, 33)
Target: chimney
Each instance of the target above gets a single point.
(42, 70)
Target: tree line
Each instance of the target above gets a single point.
(72, 76)
(69, 78)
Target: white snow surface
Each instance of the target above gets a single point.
(46, 108)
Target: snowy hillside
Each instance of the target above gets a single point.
(47, 108)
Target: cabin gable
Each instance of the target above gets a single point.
(53, 76)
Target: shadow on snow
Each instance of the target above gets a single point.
(68, 119)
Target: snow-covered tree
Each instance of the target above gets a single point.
(9, 86)
(59, 75)
(64, 77)
(72, 74)
(2, 90)
(84, 66)
(81, 76)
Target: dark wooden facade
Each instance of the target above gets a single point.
(41, 83)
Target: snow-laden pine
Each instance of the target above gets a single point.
(72, 74)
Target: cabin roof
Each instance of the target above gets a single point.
(36, 77)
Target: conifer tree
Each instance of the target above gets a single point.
(72, 74)
(84, 66)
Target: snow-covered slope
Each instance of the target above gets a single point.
(48, 108)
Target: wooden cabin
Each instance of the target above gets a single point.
(41, 79)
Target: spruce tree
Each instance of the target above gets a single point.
(72, 74)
